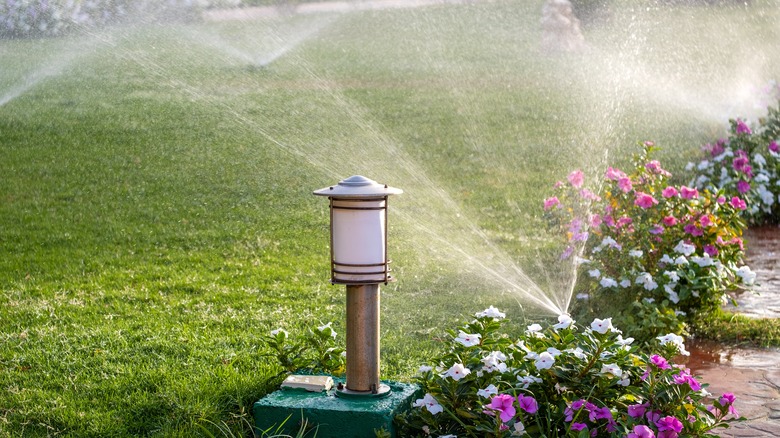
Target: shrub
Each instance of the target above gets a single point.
(746, 164)
(560, 381)
(670, 253)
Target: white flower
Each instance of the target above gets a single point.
(519, 429)
(625, 283)
(648, 300)
(666, 259)
(424, 369)
(526, 381)
(601, 325)
(703, 261)
(491, 312)
(576, 352)
(701, 181)
(684, 248)
(327, 329)
(554, 351)
(448, 436)
(673, 297)
(761, 178)
(624, 342)
(583, 296)
(759, 159)
(625, 381)
(594, 273)
(581, 261)
(545, 361)
(636, 253)
(564, 322)
(468, 339)
(457, 372)
(647, 281)
(487, 392)
(703, 165)
(494, 362)
(679, 261)
(279, 330)
(521, 344)
(611, 368)
(533, 328)
(608, 282)
(429, 403)
(673, 276)
(748, 276)
(675, 340)
(690, 166)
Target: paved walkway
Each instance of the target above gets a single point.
(753, 375)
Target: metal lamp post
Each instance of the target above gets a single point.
(358, 249)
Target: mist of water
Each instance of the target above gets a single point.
(605, 85)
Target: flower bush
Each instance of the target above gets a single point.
(746, 165)
(671, 253)
(561, 381)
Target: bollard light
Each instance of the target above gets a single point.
(358, 248)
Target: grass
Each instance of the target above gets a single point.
(156, 200)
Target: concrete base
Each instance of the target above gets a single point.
(334, 417)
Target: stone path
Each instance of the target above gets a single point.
(753, 375)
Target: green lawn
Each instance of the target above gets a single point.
(156, 204)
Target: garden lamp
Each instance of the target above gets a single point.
(358, 259)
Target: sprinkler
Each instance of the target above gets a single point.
(358, 253)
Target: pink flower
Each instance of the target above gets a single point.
(641, 431)
(595, 221)
(743, 187)
(689, 193)
(644, 200)
(773, 146)
(670, 221)
(669, 192)
(625, 220)
(558, 184)
(728, 399)
(721, 199)
(601, 414)
(669, 423)
(614, 174)
(578, 426)
(503, 404)
(684, 378)
(587, 194)
(742, 127)
(637, 411)
(655, 167)
(693, 230)
(740, 161)
(609, 220)
(576, 178)
(711, 250)
(668, 434)
(527, 403)
(705, 221)
(625, 184)
(657, 229)
(660, 362)
(737, 240)
(738, 203)
(551, 202)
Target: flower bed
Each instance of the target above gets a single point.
(670, 253)
(747, 165)
(560, 381)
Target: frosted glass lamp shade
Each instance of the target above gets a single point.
(358, 226)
